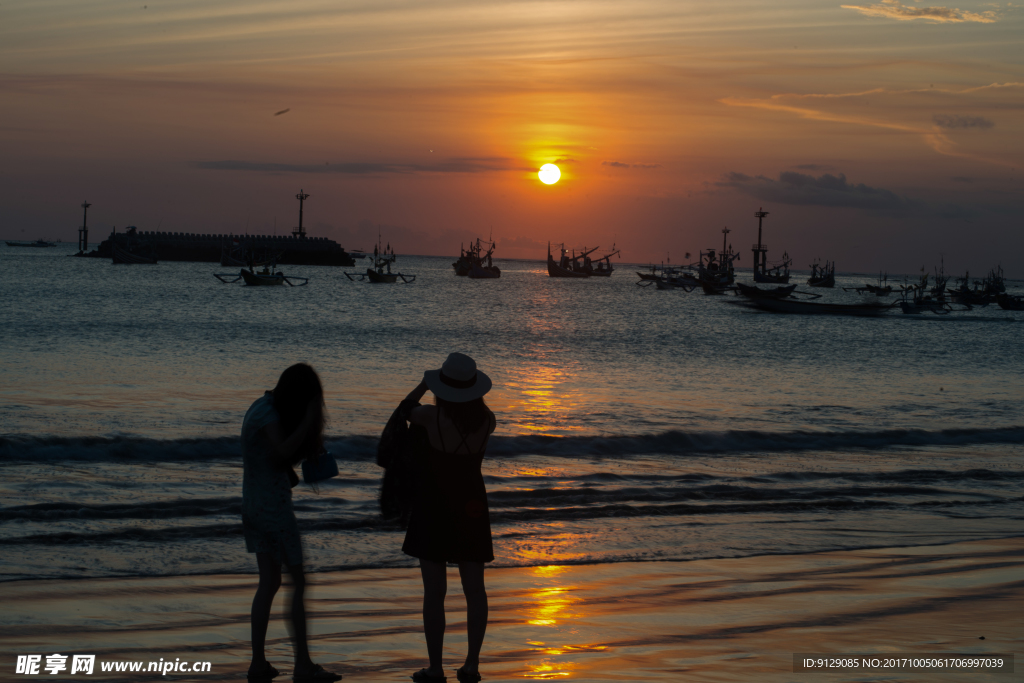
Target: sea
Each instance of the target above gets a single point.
(634, 425)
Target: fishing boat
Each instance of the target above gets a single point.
(796, 306)
(381, 273)
(603, 267)
(755, 292)
(715, 271)
(269, 276)
(964, 294)
(822, 275)
(566, 266)
(1008, 302)
(476, 262)
(40, 244)
(778, 272)
(919, 299)
(677, 278)
(883, 288)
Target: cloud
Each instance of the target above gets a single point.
(962, 179)
(619, 164)
(952, 121)
(454, 165)
(813, 167)
(894, 9)
(566, 161)
(824, 190)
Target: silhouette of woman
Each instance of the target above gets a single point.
(449, 520)
(280, 429)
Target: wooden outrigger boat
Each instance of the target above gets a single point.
(883, 288)
(1008, 302)
(786, 305)
(755, 292)
(269, 276)
(381, 273)
(779, 271)
(566, 266)
(822, 276)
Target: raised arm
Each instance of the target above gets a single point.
(416, 394)
(285, 450)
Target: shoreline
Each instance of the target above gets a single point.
(708, 619)
(566, 563)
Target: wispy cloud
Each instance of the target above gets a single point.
(894, 9)
(619, 164)
(953, 121)
(823, 190)
(454, 165)
(885, 106)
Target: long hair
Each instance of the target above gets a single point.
(468, 416)
(297, 386)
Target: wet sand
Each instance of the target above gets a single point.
(706, 620)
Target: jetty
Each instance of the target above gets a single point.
(295, 249)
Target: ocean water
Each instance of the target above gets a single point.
(633, 424)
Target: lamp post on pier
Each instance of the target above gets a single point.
(83, 232)
(299, 231)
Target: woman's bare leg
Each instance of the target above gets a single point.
(297, 622)
(435, 585)
(472, 574)
(270, 581)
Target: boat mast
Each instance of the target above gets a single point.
(299, 231)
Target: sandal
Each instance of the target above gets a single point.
(467, 677)
(262, 674)
(422, 675)
(315, 675)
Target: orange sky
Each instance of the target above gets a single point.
(880, 135)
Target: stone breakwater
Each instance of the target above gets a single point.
(226, 249)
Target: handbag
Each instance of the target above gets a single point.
(317, 469)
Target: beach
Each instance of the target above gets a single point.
(678, 488)
(732, 619)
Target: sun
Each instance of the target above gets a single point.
(549, 174)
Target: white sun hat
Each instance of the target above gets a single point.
(458, 380)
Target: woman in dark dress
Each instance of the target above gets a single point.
(449, 520)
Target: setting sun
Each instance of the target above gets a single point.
(549, 174)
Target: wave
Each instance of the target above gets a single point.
(358, 448)
(512, 517)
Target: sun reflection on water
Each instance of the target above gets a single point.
(553, 604)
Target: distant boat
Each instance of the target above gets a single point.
(604, 264)
(381, 273)
(471, 262)
(37, 243)
(268, 277)
(566, 266)
(822, 275)
(715, 270)
(755, 292)
(779, 271)
(883, 288)
(774, 305)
